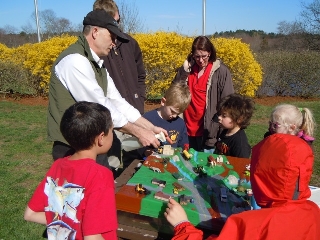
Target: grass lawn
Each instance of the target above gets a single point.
(26, 156)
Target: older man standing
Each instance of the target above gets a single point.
(78, 74)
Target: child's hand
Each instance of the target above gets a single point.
(175, 213)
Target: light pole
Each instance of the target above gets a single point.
(203, 17)
(37, 20)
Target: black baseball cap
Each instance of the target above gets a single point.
(101, 18)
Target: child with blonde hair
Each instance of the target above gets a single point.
(289, 119)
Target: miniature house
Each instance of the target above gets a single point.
(161, 183)
(162, 196)
(168, 150)
(178, 186)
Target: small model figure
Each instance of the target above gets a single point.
(186, 147)
(219, 160)
(161, 183)
(155, 169)
(184, 200)
(223, 194)
(249, 192)
(178, 186)
(177, 176)
(160, 150)
(211, 161)
(248, 167)
(175, 191)
(186, 154)
(142, 190)
(247, 171)
(200, 170)
(241, 189)
(165, 160)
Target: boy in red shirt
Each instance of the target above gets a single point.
(76, 199)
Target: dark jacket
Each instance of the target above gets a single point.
(219, 85)
(125, 66)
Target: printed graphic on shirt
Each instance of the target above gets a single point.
(60, 230)
(221, 147)
(173, 135)
(62, 202)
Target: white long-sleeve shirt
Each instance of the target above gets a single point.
(77, 76)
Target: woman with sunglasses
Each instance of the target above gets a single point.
(209, 80)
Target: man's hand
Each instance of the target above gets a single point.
(159, 129)
(147, 138)
(145, 131)
(175, 213)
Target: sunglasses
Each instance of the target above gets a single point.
(274, 125)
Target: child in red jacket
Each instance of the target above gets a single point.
(281, 168)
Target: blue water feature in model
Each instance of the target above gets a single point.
(184, 174)
(195, 157)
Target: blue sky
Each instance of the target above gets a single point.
(184, 16)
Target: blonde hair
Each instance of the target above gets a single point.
(178, 95)
(108, 5)
(288, 115)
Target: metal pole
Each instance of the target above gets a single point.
(37, 20)
(204, 17)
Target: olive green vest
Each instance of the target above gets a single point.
(59, 97)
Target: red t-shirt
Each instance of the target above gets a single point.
(78, 197)
(194, 114)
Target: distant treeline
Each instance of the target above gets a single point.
(257, 39)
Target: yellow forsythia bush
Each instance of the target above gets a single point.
(163, 53)
(40, 57)
(246, 71)
(5, 52)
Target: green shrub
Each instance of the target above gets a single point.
(290, 73)
(16, 79)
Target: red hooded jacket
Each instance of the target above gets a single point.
(281, 168)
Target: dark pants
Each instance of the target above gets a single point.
(60, 150)
(196, 143)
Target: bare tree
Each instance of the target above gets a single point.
(28, 28)
(48, 21)
(63, 25)
(77, 28)
(129, 15)
(9, 29)
(310, 20)
(288, 28)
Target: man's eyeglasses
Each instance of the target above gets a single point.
(204, 57)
